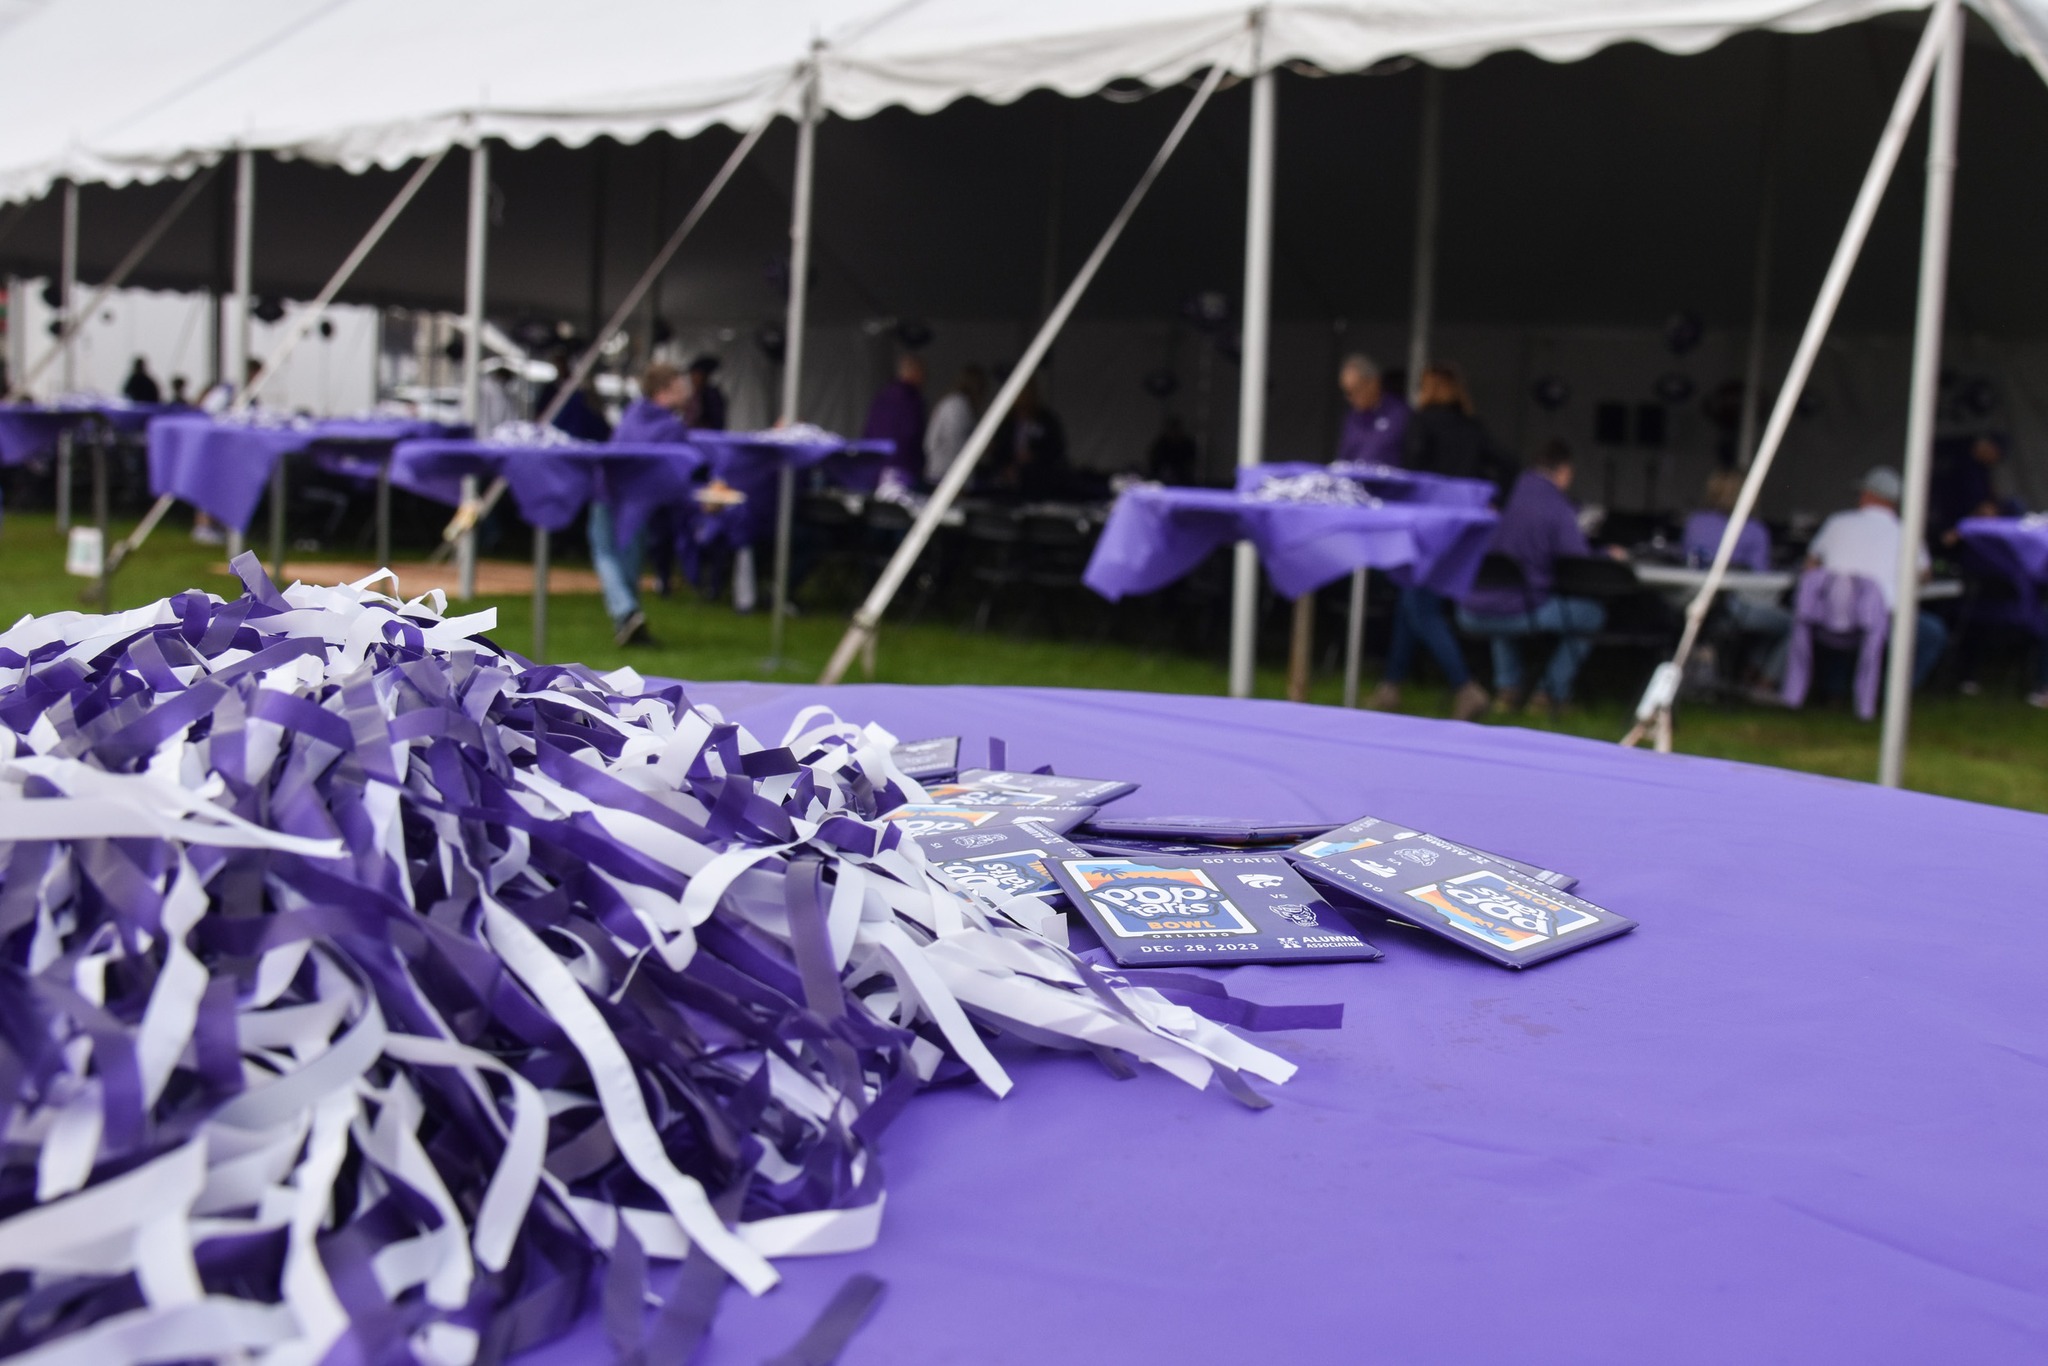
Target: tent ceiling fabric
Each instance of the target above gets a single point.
(1609, 192)
(114, 91)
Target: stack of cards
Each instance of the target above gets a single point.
(995, 787)
(938, 818)
(1497, 909)
(926, 760)
(1000, 862)
(1223, 830)
(1210, 910)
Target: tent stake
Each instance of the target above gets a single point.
(1926, 392)
(1654, 710)
(861, 630)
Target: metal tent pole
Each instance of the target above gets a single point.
(1653, 712)
(239, 301)
(473, 345)
(1429, 170)
(1251, 390)
(1937, 213)
(793, 351)
(861, 630)
(67, 288)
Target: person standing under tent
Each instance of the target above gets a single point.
(582, 416)
(652, 419)
(945, 436)
(141, 386)
(1538, 527)
(1965, 485)
(1446, 436)
(706, 410)
(1864, 541)
(897, 416)
(1032, 443)
(180, 395)
(495, 405)
(1174, 455)
(1381, 430)
(1376, 429)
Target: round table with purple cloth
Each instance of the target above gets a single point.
(1157, 535)
(223, 468)
(1796, 1116)
(551, 484)
(1388, 483)
(752, 462)
(29, 431)
(2015, 546)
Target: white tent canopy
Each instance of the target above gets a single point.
(110, 91)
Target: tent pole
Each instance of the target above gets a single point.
(1937, 213)
(1759, 334)
(240, 300)
(1428, 180)
(1653, 712)
(470, 513)
(1251, 390)
(473, 343)
(861, 630)
(793, 350)
(67, 288)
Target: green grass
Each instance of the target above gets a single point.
(1987, 749)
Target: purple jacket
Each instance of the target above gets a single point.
(1702, 538)
(647, 422)
(1538, 525)
(1377, 435)
(897, 415)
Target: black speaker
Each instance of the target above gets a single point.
(1610, 424)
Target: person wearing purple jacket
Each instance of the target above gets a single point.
(1538, 527)
(1376, 429)
(897, 415)
(652, 418)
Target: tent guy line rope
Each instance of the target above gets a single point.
(862, 628)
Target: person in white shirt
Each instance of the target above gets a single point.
(952, 422)
(1865, 541)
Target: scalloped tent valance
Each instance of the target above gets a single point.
(117, 91)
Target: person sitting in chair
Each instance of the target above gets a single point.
(1538, 527)
(1864, 540)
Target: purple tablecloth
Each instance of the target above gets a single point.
(1797, 1116)
(551, 484)
(750, 462)
(1155, 535)
(2017, 546)
(223, 468)
(1381, 481)
(29, 431)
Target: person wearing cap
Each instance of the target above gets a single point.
(1376, 427)
(706, 408)
(1864, 541)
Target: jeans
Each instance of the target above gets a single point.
(617, 566)
(1768, 620)
(1574, 621)
(1930, 638)
(1419, 617)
